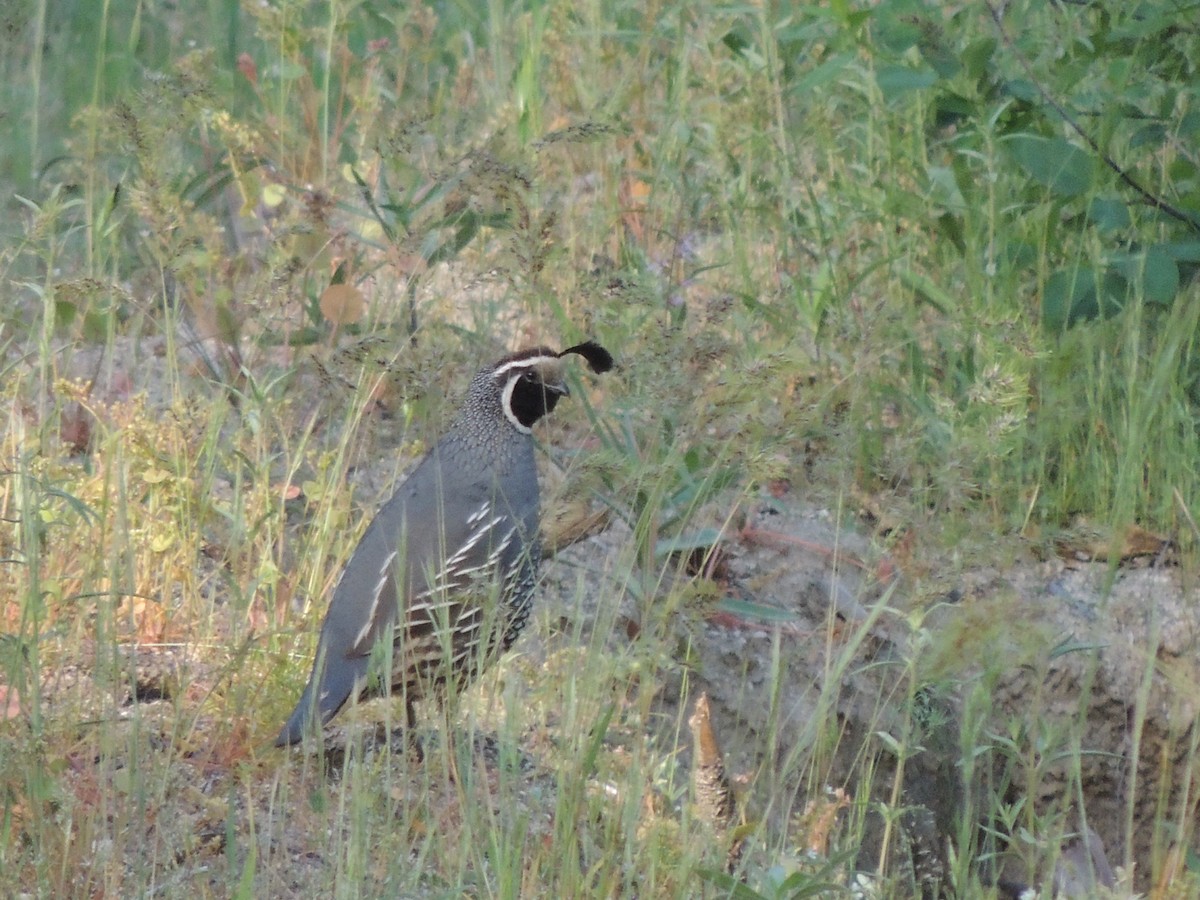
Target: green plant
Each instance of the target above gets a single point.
(895, 258)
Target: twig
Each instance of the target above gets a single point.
(1152, 199)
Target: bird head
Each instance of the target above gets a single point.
(532, 381)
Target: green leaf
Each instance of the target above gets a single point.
(821, 75)
(1160, 277)
(1022, 90)
(928, 290)
(96, 324)
(950, 227)
(599, 733)
(1018, 253)
(728, 885)
(81, 509)
(895, 25)
(685, 543)
(1182, 251)
(951, 108)
(1148, 23)
(941, 59)
(245, 886)
(800, 885)
(977, 57)
(1070, 645)
(1148, 135)
(286, 71)
(747, 609)
(1108, 214)
(1189, 125)
(895, 747)
(943, 188)
(1058, 164)
(1183, 171)
(894, 81)
(64, 312)
(736, 40)
(1079, 295)
(1154, 271)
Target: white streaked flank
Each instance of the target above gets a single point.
(384, 571)
(484, 509)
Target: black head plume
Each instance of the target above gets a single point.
(598, 359)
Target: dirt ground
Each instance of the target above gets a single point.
(1074, 684)
(1076, 661)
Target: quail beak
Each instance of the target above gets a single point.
(553, 391)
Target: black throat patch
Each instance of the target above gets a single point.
(530, 398)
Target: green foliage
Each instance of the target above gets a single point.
(943, 257)
(1057, 179)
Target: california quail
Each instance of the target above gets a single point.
(443, 577)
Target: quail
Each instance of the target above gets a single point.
(442, 581)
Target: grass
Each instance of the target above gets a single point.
(852, 255)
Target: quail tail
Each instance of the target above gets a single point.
(333, 684)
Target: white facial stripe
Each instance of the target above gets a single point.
(506, 405)
(528, 363)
